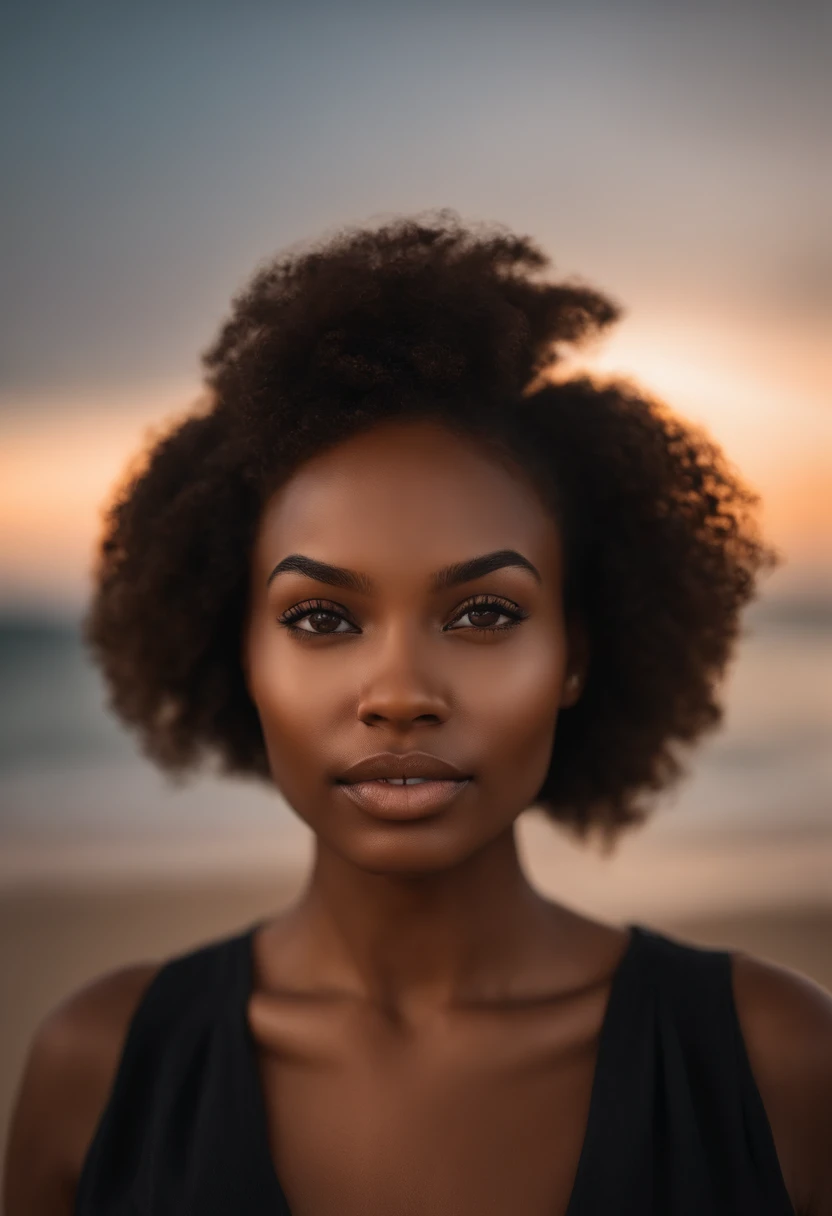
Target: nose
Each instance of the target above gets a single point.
(401, 685)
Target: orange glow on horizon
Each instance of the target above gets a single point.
(59, 466)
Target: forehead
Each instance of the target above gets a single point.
(406, 490)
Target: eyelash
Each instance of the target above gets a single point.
(309, 607)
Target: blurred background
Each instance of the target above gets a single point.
(153, 156)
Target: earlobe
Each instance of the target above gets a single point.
(578, 656)
(572, 689)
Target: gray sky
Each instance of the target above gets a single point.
(154, 154)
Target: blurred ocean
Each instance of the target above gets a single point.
(76, 794)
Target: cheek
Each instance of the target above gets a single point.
(296, 711)
(517, 713)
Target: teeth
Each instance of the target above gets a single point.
(402, 780)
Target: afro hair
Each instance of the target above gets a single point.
(430, 317)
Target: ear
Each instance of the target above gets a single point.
(577, 665)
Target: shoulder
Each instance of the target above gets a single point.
(69, 1072)
(786, 1023)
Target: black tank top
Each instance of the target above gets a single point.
(676, 1124)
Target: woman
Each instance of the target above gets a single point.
(404, 573)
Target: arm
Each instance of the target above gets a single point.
(66, 1082)
(786, 1020)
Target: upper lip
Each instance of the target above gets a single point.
(401, 764)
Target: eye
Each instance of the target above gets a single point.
(484, 611)
(316, 612)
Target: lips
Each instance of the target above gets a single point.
(396, 765)
(402, 802)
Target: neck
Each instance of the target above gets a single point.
(408, 942)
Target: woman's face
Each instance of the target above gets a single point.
(395, 663)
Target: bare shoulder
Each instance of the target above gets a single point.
(786, 1022)
(70, 1069)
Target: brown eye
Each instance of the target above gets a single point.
(324, 622)
(324, 619)
(484, 614)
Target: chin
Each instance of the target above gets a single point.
(417, 849)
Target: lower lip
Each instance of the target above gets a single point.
(402, 802)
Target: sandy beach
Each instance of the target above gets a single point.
(55, 937)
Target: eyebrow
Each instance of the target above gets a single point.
(449, 576)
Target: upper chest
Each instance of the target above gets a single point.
(483, 1113)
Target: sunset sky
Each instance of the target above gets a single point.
(157, 154)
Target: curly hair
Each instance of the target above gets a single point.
(428, 317)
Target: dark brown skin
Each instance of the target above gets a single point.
(457, 1010)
